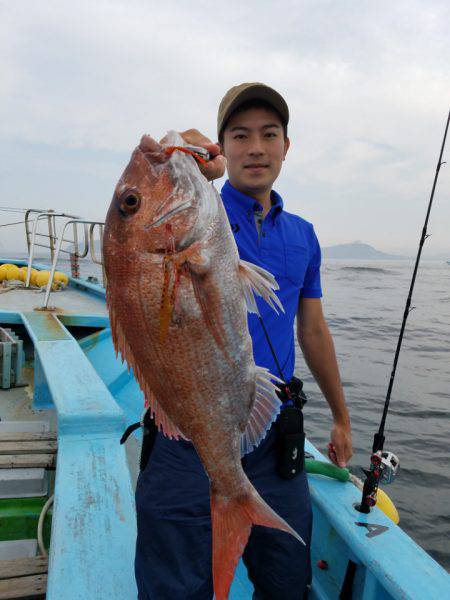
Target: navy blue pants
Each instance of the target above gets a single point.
(174, 542)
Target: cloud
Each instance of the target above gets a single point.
(367, 84)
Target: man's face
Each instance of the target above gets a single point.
(254, 146)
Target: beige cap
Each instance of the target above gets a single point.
(239, 94)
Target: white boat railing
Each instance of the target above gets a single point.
(80, 246)
(51, 235)
(91, 246)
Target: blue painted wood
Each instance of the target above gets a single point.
(241, 588)
(115, 375)
(93, 528)
(94, 522)
(80, 320)
(84, 285)
(95, 346)
(401, 567)
(9, 317)
(42, 398)
(372, 589)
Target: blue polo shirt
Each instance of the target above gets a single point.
(288, 248)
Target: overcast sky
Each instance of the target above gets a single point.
(367, 83)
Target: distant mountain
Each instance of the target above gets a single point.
(358, 250)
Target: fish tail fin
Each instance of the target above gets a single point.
(232, 520)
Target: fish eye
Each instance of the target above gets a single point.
(129, 203)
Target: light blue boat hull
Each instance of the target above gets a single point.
(94, 526)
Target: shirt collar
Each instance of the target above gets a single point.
(248, 204)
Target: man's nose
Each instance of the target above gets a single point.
(256, 148)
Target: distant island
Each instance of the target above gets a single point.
(361, 251)
(358, 250)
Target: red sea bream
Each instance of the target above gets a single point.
(178, 296)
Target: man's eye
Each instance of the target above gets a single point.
(271, 134)
(239, 136)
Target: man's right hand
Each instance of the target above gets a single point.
(215, 167)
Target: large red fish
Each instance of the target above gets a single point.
(178, 296)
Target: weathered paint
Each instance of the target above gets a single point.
(94, 523)
(74, 320)
(401, 568)
(44, 326)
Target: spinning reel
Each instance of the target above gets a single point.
(384, 466)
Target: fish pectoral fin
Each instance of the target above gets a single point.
(264, 411)
(256, 279)
(163, 422)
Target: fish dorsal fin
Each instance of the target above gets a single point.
(264, 411)
(162, 420)
(256, 279)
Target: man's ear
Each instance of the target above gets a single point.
(220, 146)
(287, 143)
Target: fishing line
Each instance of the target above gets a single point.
(15, 223)
(12, 209)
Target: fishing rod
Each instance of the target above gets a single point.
(384, 465)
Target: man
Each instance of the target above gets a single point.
(173, 552)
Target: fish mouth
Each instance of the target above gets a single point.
(176, 209)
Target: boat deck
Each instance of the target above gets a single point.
(17, 403)
(68, 301)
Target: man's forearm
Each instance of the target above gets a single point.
(320, 356)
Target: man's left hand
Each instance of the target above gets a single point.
(340, 448)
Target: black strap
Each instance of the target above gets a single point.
(149, 432)
(128, 431)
